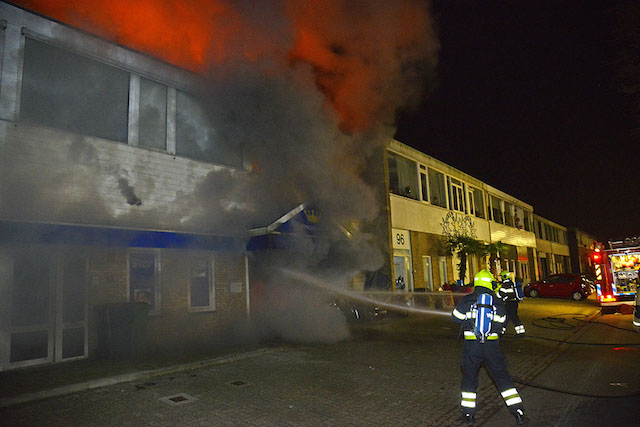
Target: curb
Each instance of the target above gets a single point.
(131, 376)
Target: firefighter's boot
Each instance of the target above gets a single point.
(468, 419)
(520, 418)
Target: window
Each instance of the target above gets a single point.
(201, 290)
(476, 202)
(456, 195)
(496, 209)
(527, 221)
(443, 270)
(547, 232)
(428, 278)
(424, 190)
(144, 270)
(153, 115)
(403, 177)
(67, 91)
(196, 136)
(437, 191)
(508, 214)
(540, 235)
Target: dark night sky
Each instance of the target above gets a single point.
(528, 101)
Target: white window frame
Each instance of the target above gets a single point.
(457, 194)
(442, 262)
(212, 296)
(428, 272)
(158, 270)
(422, 169)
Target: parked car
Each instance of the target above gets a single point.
(560, 286)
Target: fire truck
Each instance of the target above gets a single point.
(617, 266)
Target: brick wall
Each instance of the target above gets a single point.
(174, 325)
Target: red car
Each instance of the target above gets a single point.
(559, 286)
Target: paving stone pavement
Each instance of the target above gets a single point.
(402, 372)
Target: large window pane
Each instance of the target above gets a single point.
(496, 210)
(508, 214)
(29, 346)
(403, 176)
(437, 191)
(478, 201)
(153, 115)
(30, 290)
(142, 278)
(423, 186)
(74, 289)
(64, 90)
(196, 136)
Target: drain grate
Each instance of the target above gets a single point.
(238, 383)
(178, 399)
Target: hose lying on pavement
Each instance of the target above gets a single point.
(560, 322)
(574, 393)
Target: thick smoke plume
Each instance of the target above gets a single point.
(309, 88)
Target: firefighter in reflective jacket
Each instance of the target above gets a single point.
(482, 345)
(511, 295)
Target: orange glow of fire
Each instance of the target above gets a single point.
(354, 48)
(189, 33)
(351, 45)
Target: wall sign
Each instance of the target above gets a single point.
(401, 239)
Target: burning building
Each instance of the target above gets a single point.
(140, 142)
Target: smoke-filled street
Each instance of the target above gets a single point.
(400, 371)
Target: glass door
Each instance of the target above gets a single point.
(44, 307)
(30, 320)
(400, 273)
(71, 304)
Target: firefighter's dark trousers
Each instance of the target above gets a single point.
(474, 354)
(512, 316)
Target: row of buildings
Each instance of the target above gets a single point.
(430, 200)
(101, 148)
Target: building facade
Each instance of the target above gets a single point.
(101, 151)
(553, 247)
(428, 200)
(581, 250)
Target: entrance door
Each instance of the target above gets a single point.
(71, 315)
(46, 308)
(30, 320)
(400, 273)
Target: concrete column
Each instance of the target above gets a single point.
(11, 81)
